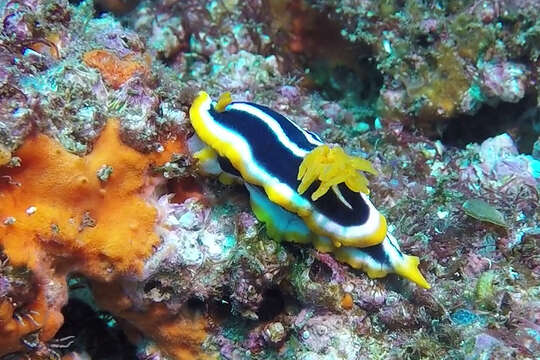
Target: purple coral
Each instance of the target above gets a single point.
(505, 81)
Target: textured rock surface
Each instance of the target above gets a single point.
(204, 280)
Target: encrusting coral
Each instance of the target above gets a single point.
(60, 217)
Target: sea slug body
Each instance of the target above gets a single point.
(304, 190)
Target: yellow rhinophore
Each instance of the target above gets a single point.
(224, 100)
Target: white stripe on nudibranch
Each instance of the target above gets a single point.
(276, 128)
(392, 249)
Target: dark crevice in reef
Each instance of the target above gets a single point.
(196, 306)
(320, 272)
(94, 331)
(521, 120)
(338, 69)
(273, 304)
(351, 76)
(335, 82)
(117, 7)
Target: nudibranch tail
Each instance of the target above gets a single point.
(332, 166)
(289, 172)
(380, 260)
(408, 268)
(377, 261)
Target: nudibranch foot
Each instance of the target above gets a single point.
(380, 260)
(209, 161)
(280, 224)
(205, 155)
(377, 261)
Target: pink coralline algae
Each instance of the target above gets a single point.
(500, 160)
(505, 81)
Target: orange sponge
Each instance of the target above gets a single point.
(57, 216)
(115, 71)
(58, 202)
(178, 333)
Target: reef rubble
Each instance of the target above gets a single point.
(114, 246)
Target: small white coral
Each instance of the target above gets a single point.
(189, 236)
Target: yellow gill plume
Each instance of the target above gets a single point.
(332, 166)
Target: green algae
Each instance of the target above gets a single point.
(481, 210)
(485, 290)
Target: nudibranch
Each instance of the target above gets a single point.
(305, 191)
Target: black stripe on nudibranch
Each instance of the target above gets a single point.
(333, 208)
(377, 253)
(302, 138)
(267, 150)
(316, 136)
(225, 165)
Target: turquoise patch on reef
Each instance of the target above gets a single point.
(464, 317)
(534, 167)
